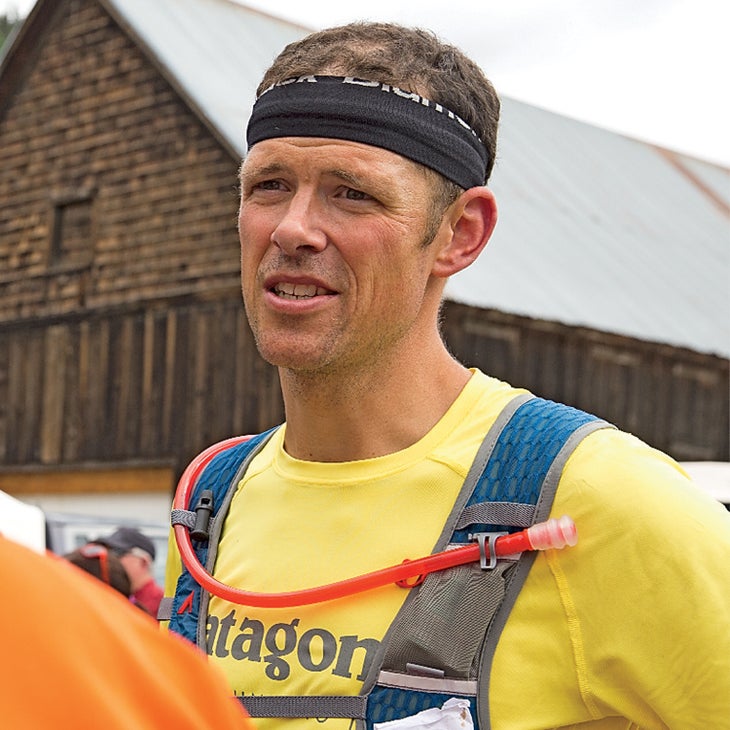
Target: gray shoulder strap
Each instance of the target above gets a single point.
(516, 579)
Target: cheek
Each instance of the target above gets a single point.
(396, 282)
(250, 261)
(254, 235)
(256, 223)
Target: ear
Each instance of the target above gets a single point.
(470, 221)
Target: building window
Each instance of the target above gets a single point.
(72, 235)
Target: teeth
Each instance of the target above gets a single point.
(298, 291)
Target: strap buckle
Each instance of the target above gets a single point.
(487, 549)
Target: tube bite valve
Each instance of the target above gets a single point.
(556, 533)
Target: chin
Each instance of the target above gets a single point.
(293, 357)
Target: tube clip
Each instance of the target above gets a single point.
(203, 511)
(487, 549)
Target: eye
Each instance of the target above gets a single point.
(267, 185)
(257, 187)
(354, 194)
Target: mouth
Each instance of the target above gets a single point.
(286, 290)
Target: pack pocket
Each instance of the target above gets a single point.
(440, 630)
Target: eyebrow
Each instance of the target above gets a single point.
(277, 168)
(355, 181)
(272, 168)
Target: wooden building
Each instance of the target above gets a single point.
(123, 343)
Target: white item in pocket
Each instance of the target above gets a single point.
(452, 715)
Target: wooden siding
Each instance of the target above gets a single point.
(675, 399)
(90, 479)
(92, 121)
(140, 386)
(159, 384)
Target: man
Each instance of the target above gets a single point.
(137, 554)
(363, 190)
(77, 654)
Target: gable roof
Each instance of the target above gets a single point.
(596, 229)
(214, 51)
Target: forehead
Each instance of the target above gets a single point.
(324, 154)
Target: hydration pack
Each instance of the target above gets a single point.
(442, 641)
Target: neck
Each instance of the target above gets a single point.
(372, 412)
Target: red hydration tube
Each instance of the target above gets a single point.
(555, 533)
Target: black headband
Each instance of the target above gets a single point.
(375, 114)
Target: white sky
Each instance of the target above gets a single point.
(652, 69)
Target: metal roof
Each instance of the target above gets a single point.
(599, 230)
(216, 51)
(595, 229)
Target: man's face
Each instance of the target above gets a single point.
(334, 270)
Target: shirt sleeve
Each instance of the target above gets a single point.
(649, 587)
(632, 622)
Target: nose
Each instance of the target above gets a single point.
(299, 228)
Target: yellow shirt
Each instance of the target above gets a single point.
(583, 643)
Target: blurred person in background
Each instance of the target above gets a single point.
(103, 564)
(137, 554)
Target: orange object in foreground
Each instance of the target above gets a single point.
(77, 654)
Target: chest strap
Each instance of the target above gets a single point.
(352, 707)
